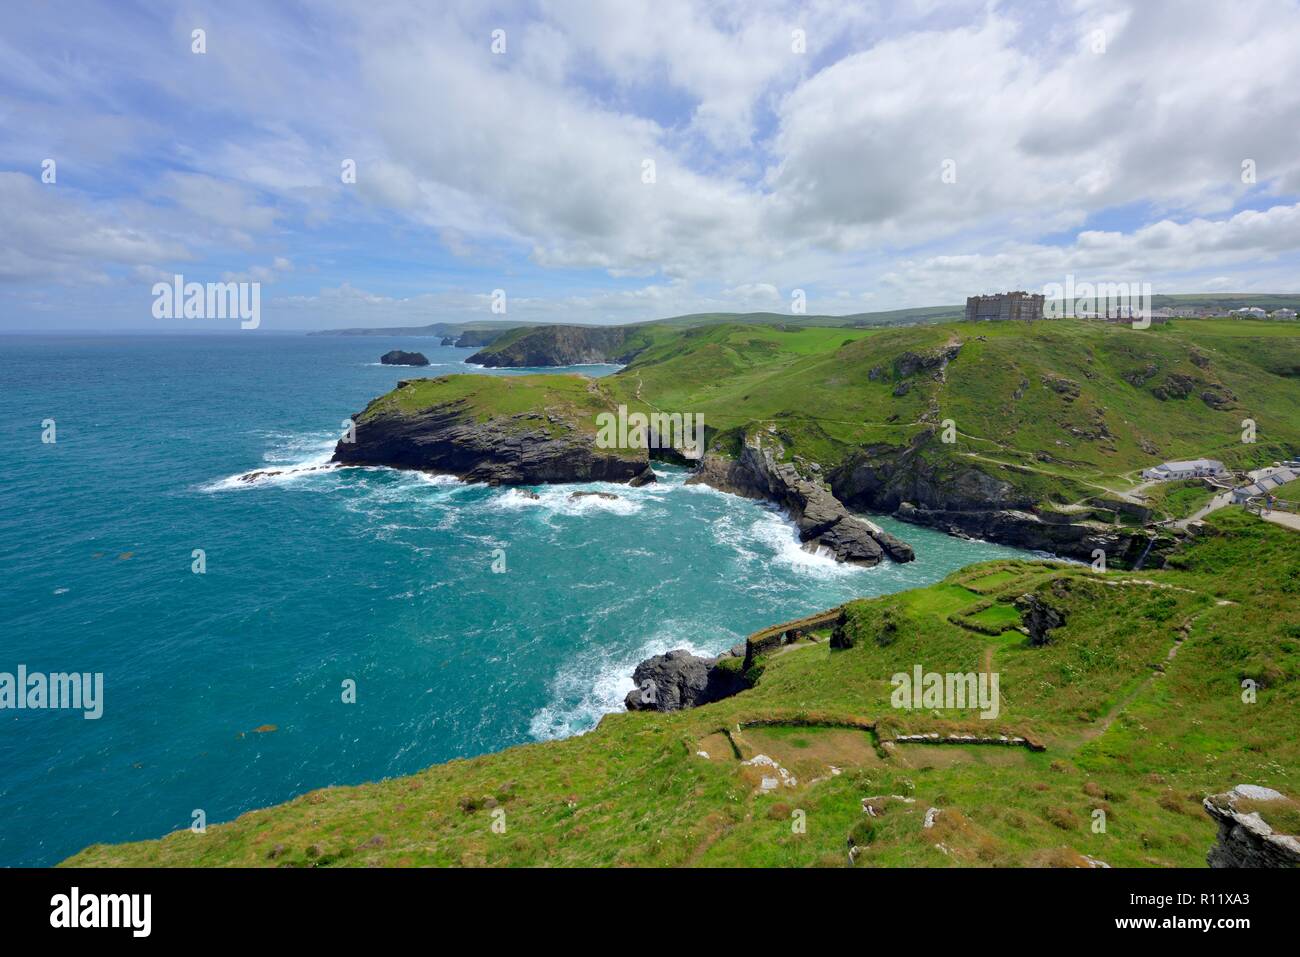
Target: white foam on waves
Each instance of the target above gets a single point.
(595, 682)
(560, 500)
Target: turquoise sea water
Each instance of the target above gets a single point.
(320, 576)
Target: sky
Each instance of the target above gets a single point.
(615, 160)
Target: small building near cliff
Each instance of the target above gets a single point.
(1176, 471)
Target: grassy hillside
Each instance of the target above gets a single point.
(915, 315)
(1068, 407)
(920, 314)
(1136, 701)
(1226, 302)
(530, 400)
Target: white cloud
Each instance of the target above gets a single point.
(51, 232)
(1169, 255)
(773, 170)
(263, 274)
(218, 203)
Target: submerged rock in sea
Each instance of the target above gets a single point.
(399, 358)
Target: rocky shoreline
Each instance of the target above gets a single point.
(679, 679)
(964, 500)
(822, 520)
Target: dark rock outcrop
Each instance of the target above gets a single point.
(910, 363)
(399, 358)
(522, 449)
(679, 679)
(1245, 838)
(1066, 388)
(1175, 386)
(1038, 532)
(884, 476)
(1038, 617)
(821, 518)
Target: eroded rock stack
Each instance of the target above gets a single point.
(822, 520)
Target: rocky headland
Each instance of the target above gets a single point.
(560, 346)
(679, 679)
(467, 429)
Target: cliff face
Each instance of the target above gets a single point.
(1246, 839)
(957, 497)
(559, 346)
(886, 476)
(521, 449)
(477, 338)
(822, 519)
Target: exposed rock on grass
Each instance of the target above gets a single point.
(1246, 836)
(1038, 617)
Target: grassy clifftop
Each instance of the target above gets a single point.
(512, 430)
(1054, 416)
(484, 397)
(1057, 406)
(1136, 700)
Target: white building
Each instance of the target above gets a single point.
(1176, 471)
(1249, 312)
(1282, 313)
(1264, 485)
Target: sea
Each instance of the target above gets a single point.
(326, 626)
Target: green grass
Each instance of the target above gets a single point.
(1178, 499)
(1140, 742)
(1289, 492)
(1001, 616)
(555, 404)
(1058, 410)
(492, 396)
